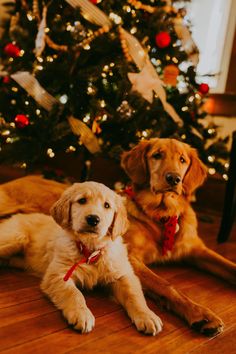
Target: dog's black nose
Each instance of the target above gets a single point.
(92, 220)
(173, 179)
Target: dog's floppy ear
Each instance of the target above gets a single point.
(134, 163)
(61, 210)
(195, 175)
(120, 221)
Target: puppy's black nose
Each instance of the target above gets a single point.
(92, 220)
(173, 178)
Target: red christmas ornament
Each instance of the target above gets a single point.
(94, 2)
(21, 121)
(163, 39)
(6, 79)
(203, 88)
(12, 50)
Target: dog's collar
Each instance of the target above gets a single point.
(170, 224)
(89, 258)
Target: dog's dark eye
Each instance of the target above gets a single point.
(82, 201)
(157, 155)
(106, 205)
(182, 160)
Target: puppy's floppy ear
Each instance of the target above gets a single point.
(61, 210)
(134, 163)
(120, 222)
(195, 175)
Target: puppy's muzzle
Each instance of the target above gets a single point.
(173, 179)
(92, 220)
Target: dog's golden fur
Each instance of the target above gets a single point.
(147, 165)
(50, 249)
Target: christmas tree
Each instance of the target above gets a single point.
(97, 76)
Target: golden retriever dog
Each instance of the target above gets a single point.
(163, 225)
(80, 245)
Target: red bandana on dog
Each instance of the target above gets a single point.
(170, 229)
(171, 226)
(89, 257)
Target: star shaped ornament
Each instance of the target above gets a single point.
(144, 83)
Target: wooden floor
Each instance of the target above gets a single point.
(29, 323)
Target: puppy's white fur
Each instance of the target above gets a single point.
(50, 250)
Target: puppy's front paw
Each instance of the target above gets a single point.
(148, 322)
(81, 318)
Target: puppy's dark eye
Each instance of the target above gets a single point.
(182, 159)
(157, 155)
(82, 201)
(106, 205)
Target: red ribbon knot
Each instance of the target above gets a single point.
(89, 258)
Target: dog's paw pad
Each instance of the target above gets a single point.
(210, 329)
(198, 325)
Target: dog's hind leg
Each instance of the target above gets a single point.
(207, 259)
(13, 239)
(198, 317)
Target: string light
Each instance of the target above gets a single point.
(133, 30)
(175, 60)
(9, 140)
(211, 171)
(6, 132)
(225, 176)
(30, 17)
(211, 131)
(38, 112)
(26, 103)
(70, 149)
(211, 158)
(49, 59)
(117, 19)
(197, 96)
(191, 99)
(86, 118)
(226, 165)
(50, 153)
(14, 89)
(184, 109)
(63, 99)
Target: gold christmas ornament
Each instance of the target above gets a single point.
(170, 75)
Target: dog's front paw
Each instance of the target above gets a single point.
(206, 322)
(148, 322)
(82, 319)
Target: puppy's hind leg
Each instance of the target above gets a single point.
(13, 239)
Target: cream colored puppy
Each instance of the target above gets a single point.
(86, 249)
